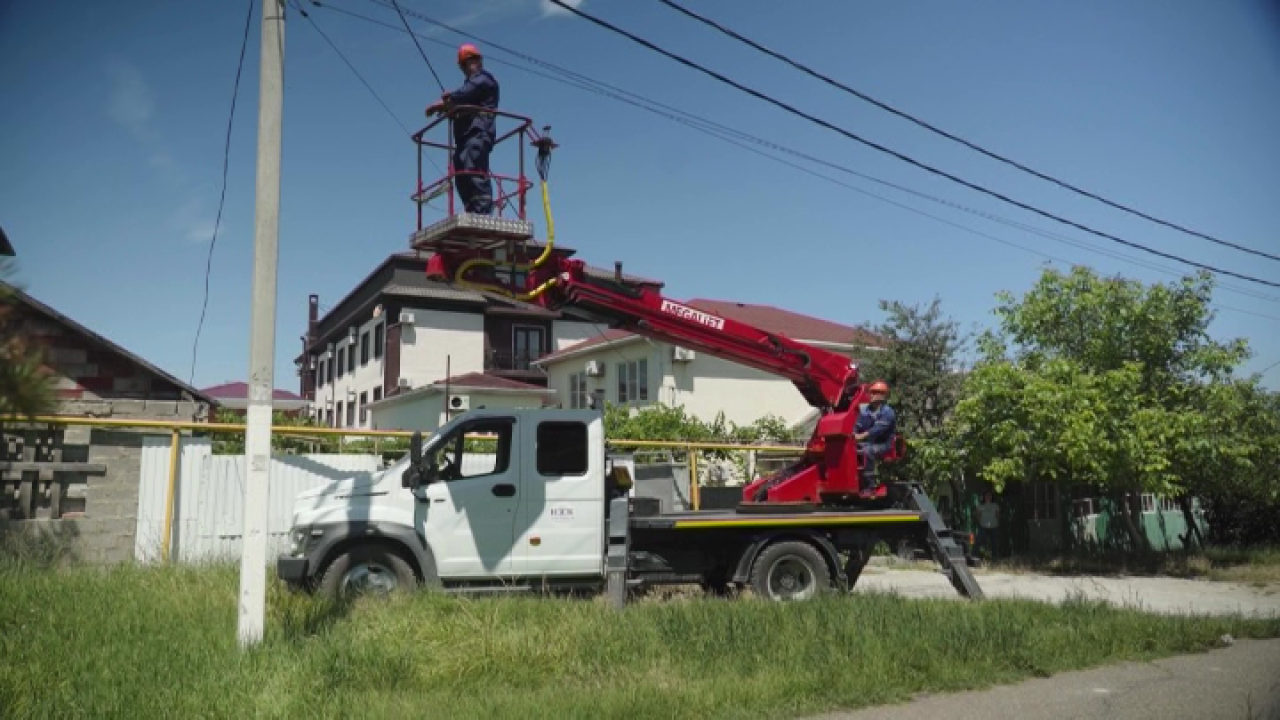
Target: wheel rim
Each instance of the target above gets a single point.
(791, 579)
(369, 578)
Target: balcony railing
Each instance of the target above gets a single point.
(506, 361)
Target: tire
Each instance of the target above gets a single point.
(790, 571)
(367, 570)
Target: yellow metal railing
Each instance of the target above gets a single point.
(175, 429)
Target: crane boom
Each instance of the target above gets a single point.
(492, 253)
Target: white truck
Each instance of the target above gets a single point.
(539, 504)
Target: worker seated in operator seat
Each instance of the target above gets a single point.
(874, 432)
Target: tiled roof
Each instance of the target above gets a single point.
(789, 324)
(241, 390)
(58, 317)
(796, 326)
(487, 382)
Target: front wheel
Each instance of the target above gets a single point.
(790, 571)
(367, 570)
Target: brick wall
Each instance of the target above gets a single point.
(92, 516)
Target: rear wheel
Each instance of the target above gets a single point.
(367, 570)
(791, 570)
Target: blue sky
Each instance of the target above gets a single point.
(115, 117)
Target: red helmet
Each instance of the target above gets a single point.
(467, 51)
(879, 386)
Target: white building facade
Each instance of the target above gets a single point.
(398, 332)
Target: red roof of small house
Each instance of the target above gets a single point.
(240, 390)
(796, 326)
(485, 381)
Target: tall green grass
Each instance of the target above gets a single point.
(162, 642)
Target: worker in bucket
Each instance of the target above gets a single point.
(877, 423)
(474, 131)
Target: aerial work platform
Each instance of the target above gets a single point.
(460, 231)
(468, 231)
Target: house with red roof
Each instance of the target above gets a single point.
(234, 396)
(622, 368)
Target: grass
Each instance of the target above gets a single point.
(1256, 566)
(130, 641)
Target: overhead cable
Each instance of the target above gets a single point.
(971, 145)
(226, 160)
(905, 158)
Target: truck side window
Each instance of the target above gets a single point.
(466, 456)
(562, 448)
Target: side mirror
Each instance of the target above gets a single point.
(412, 477)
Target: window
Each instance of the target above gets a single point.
(330, 374)
(578, 391)
(364, 411)
(633, 381)
(1148, 503)
(338, 415)
(463, 455)
(562, 448)
(364, 349)
(377, 341)
(320, 375)
(377, 393)
(342, 363)
(526, 345)
(351, 414)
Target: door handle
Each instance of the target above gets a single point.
(504, 490)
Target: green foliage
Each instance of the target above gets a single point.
(922, 367)
(26, 385)
(660, 422)
(162, 643)
(233, 444)
(1118, 385)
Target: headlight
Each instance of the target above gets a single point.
(298, 540)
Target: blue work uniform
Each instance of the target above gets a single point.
(880, 425)
(474, 134)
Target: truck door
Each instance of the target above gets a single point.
(468, 514)
(563, 524)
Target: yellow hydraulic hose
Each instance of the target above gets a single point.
(546, 253)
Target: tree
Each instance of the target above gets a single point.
(921, 364)
(1110, 383)
(26, 385)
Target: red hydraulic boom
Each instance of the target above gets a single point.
(492, 253)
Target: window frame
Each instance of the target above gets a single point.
(538, 441)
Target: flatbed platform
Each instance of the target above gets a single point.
(468, 231)
(703, 519)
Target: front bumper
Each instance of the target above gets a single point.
(292, 570)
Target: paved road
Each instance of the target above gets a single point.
(1152, 594)
(1238, 682)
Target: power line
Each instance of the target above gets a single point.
(973, 146)
(374, 93)
(417, 45)
(724, 132)
(905, 158)
(226, 159)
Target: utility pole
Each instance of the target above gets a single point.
(257, 446)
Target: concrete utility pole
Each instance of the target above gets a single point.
(257, 446)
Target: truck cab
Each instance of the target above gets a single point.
(494, 497)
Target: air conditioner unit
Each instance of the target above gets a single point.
(406, 318)
(681, 354)
(595, 368)
(404, 382)
(459, 402)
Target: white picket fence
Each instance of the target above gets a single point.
(208, 520)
